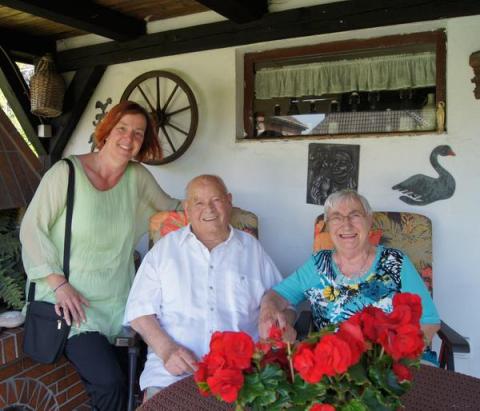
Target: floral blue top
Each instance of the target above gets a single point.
(335, 297)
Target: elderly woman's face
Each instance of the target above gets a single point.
(349, 225)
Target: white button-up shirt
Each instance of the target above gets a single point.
(195, 292)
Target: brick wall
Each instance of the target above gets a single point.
(42, 387)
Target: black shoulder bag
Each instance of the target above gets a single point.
(45, 332)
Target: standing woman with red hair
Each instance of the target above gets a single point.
(113, 200)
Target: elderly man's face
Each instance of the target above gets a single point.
(208, 208)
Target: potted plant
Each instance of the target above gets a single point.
(12, 274)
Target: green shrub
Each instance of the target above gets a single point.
(12, 274)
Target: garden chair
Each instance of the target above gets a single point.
(411, 233)
(160, 225)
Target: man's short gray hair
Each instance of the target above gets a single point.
(346, 194)
(207, 177)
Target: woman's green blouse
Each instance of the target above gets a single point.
(106, 226)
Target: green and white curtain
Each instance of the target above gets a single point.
(394, 72)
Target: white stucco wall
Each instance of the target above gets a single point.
(269, 178)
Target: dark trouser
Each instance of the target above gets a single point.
(96, 360)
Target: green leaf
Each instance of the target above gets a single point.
(12, 275)
(304, 392)
(374, 400)
(10, 291)
(354, 405)
(250, 392)
(394, 386)
(271, 371)
(358, 373)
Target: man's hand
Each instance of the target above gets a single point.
(179, 360)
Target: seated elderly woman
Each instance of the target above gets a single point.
(340, 282)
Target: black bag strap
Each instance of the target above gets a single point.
(68, 219)
(68, 228)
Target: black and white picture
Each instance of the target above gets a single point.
(331, 167)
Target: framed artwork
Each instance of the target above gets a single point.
(331, 167)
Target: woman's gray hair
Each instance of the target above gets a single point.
(347, 194)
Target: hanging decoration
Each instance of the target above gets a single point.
(421, 189)
(331, 167)
(98, 119)
(475, 63)
(47, 89)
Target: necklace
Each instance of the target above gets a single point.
(364, 268)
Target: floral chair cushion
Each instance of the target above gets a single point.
(165, 222)
(409, 232)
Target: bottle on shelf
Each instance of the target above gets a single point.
(388, 120)
(333, 117)
(428, 114)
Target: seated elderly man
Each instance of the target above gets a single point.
(202, 278)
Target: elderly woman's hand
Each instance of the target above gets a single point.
(70, 302)
(274, 311)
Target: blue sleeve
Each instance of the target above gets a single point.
(292, 288)
(413, 283)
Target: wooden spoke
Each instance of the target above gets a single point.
(157, 81)
(168, 138)
(146, 98)
(178, 129)
(170, 98)
(178, 111)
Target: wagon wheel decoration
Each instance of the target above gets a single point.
(173, 107)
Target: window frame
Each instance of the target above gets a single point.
(436, 38)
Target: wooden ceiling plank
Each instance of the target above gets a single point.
(12, 141)
(76, 99)
(22, 43)
(307, 21)
(16, 92)
(238, 11)
(11, 195)
(85, 16)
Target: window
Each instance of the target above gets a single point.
(386, 85)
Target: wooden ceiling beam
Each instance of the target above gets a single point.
(83, 15)
(23, 44)
(76, 99)
(238, 11)
(17, 94)
(307, 21)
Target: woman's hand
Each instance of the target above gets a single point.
(69, 301)
(274, 311)
(280, 319)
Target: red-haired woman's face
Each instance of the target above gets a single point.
(126, 137)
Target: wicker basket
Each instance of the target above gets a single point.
(47, 89)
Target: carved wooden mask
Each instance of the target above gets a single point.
(475, 63)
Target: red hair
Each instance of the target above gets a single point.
(150, 148)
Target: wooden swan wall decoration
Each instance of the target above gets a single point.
(421, 189)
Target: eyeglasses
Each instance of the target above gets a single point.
(338, 219)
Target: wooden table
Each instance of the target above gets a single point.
(433, 389)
